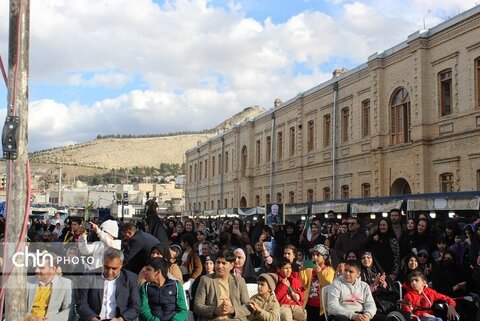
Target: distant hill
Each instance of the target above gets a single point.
(112, 153)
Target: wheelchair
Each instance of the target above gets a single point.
(438, 307)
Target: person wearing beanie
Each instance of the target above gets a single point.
(107, 234)
(314, 279)
(264, 305)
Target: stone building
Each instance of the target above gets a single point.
(406, 121)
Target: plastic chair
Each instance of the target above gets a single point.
(325, 290)
(252, 289)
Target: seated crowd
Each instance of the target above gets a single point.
(144, 271)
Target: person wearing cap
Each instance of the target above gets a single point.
(314, 279)
(222, 296)
(208, 268)
(108, 237)
(264, 304)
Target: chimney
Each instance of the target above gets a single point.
(338, 72)
(277, 103)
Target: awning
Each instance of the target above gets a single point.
(210, 212)
(227, 211)
(251, 210)
(296, 209)
(338, 207)
(376, 206)
(443, 204)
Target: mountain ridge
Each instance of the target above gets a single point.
(114, 153)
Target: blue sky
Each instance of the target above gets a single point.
(149, 67)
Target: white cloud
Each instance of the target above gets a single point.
(197, 64)
(108, 79)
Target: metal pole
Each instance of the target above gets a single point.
(16, 291)
(272, 164)
(221, 175)
(334, 141)
(59, 185)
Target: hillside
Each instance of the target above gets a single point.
(112, 153)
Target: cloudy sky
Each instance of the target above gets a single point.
(150, 67)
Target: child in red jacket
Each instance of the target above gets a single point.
(421, 298)
(290, 293)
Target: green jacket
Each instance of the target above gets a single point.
(181, 305)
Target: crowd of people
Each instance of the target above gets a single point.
(143, 269)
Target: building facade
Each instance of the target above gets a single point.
(407, 121)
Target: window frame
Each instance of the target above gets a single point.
(445, 92)
(400, 117)
(310, 135)
(446, 181)
(327, 130)
(345, 124)
(365, 118)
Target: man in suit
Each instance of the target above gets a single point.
(137, 251)
(49, 295)
(221, 295)
(109, 293)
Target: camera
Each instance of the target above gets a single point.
(88, 225)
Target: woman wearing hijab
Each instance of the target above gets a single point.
(243, 267)
(384, 246)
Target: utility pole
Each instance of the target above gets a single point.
(15, 151)
(59, 185)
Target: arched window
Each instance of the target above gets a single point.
(244, 161)
(267, 198)
(310, 195)
(477, 81)
(345, 192)
(226, 162)
(257, 200)
(400, 117)
(258, 152)
(326, 194)
(268, 149)
(213, 166)
(279, 197)
(291, 197)
(279, 145)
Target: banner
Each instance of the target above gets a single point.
(376, 207)
(443, 204)
(339, 207)
(296, 209)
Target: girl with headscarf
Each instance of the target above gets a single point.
(314, 279)
(409, 264)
